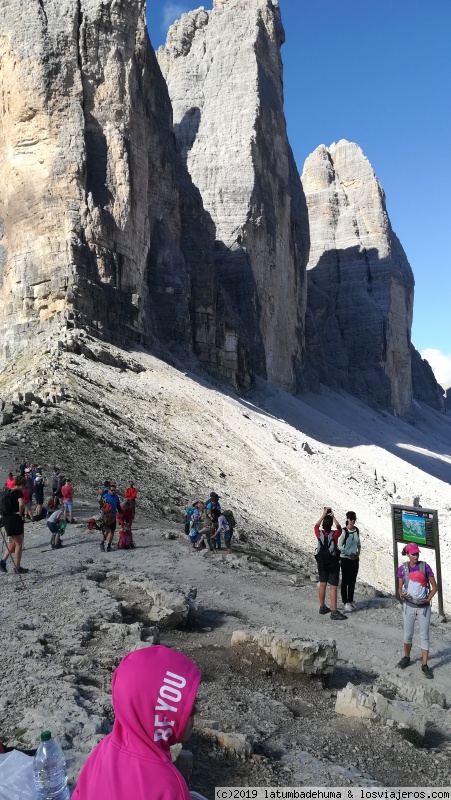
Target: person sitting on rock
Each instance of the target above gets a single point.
(154, 694)
(328, 560)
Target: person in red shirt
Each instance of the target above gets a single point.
(10, 481)
(68, 501)
(130, 494)
(328, 560)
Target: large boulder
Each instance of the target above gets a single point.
(224, 73)
(304, 656)
(360, 284)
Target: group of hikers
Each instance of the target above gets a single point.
(339, 549)
(23, 499)
(112, 511)
(206, 524)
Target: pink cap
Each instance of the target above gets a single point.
(412, 548)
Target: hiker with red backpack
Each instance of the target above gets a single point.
(328, 560)
(416, 586)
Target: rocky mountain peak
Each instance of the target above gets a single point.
(224, 74)
(360, 290)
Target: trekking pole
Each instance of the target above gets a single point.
(24, 585)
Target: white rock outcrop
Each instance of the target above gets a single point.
(353, 702)
(294, 655)
(224, 73)
(360, 284)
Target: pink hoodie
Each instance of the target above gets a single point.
(154, 690)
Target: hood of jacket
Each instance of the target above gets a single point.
(154, 690)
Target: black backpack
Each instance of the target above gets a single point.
(326, 550)
(6, 503)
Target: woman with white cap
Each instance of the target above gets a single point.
(416, 586)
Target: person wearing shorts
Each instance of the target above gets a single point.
(53, 526)
(328, 560)
(13, 524)
(68, 501)
(416, 611)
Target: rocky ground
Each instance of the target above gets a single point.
(78, 611)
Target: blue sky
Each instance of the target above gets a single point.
(377, 72)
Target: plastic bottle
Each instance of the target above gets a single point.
(49, 770)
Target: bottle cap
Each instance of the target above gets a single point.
(45, 736)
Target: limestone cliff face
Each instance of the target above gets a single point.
(360, 284)
(425, 387)
(100, 224)
(224, 74)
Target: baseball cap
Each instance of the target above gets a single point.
(412, 548)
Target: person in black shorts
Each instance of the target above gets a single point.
(13, 524)
(328, 560)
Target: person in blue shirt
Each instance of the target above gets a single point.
(112, 498)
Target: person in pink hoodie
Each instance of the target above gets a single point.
(154, 691)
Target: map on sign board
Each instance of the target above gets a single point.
(413, 528)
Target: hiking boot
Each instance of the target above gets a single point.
(337, 615)
(3, 565)
(109, 548)
(20, 570)
(102, 547)
(324, 610)
(427, 672)
(405, 661)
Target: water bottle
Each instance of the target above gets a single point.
(49, 770)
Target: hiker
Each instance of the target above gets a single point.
(26, 508)
(154, 693)
(12, 510)
(195, 524)
(10, 481)
(327, 558)
(349, 547)
(108, 527)
(54, 481)
(39, 493)
(68, 501)
(207, 533)
(224, 526)
(213, 503)
(125, 519)
(130, 494)
(103, 491)
(416, 593)
(53, 524)
(112, 498)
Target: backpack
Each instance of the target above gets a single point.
(6, 503)
(421, 566)
(347, 532)
(125, 540)
(230, 518)
(326, 550)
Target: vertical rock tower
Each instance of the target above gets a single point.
(360, 284)
(224, 73)
(100, 223)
